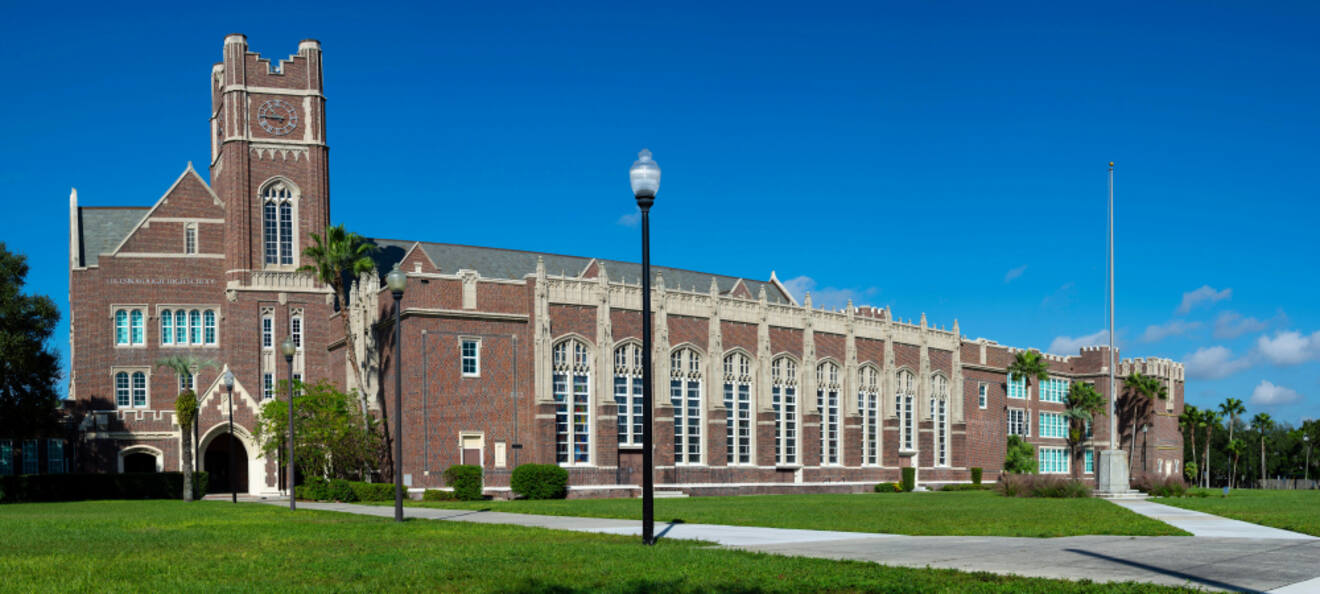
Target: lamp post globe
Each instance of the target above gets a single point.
(644, 177)
(397, 281)
(229, 389)
(288, 348)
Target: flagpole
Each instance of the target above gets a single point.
(1113, 420)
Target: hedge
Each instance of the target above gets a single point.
(539, 481)
(83, 486)
(318, 489)
(373, 491)
(966, 487)
(888, 488)
(466, 481)
(976, 475)
(438, 495)
(909, 479)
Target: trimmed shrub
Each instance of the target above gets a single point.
(340, 490)
(888, 488)
(437, 495)
(201, 479)
(1036, 485)
(314, 488)
(1160, 486)
(83, 486)
(373, 491)
(965, 487)
(1019, 457)
(539, 481)
(465, 480)
(909, 479)
(976, 475)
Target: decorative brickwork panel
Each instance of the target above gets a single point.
(830, 345)
(785, 340)
(573, 319)
(871, 351)
(688, 329)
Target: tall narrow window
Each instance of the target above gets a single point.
(905, 397)
(470, 357)
(296, 389)
(137, 327)
(296, 329)
(277, 224)
(738, 402)
(195, 326)
(868, 405)
(982, 394)
(186, 381)
(166, 327)
(628, 393)
(30, 459)
(6, 457)
(190, 238)
(55, 456)
(1017, 386)
(180, 327)
(139, 389)
(209, 326)
(572, 395)
(685, 395)
(1018, 422)
(121, 327)
(939, 414)
(267, 331)
(783, 401)
(123, 393)
(827, 402)
(267, 386)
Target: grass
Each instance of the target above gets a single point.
(209, 546)
(1298, 511)
(966, 513)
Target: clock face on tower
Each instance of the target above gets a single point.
(277, 117)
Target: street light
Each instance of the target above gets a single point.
(397, 281)
(644, 175)
(1144, 442)
(288, 348)
(233, 484)
(1306, 472)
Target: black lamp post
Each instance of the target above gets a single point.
(1144, 443)
(288, 348)
(397, 281)
(1306, 471)
(233, 484)
(644, 175)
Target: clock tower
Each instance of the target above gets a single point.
(268, 156)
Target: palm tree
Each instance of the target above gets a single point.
(1188, 421)
(1232, 407)
(1141, 390)
(333, 256)
(185, 410)
(1210, 419)
(1235, 447)
(1083, 402)
(1262, 423)
(1028, 365)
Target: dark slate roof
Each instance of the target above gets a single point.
(104, 227)
(515, 264)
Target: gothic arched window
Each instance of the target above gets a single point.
(868, 405)
(572, 394)
(738, 401)
(905, 395)
(685, 395)
(628, 392)
(783, 400)
(277, 223)
(939, 414)
(827, 402)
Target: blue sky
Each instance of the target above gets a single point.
(946, 159)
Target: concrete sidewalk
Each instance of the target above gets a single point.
(1249, 564)
(1203, 524)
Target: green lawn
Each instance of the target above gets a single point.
(968, 513)
(219, 546)
(1298, 511)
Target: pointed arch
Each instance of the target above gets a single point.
(828, 385)
(784, 403)
(868, 406)
(739, 371)
(279, 198)
(154, 452)
(628, 358)
(939, 416)
(685, 394)
(570, 358)
(905, 407)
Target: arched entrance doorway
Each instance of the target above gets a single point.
(139, 462)
(216, 462)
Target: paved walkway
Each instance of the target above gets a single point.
(1203, 524)
(1251, 563)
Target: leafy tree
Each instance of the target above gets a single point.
(1141, 390)
(1028, 365)
(29, 368)
(1083, 402)
(1020, 457)
(1191, 471)
(185, 410)
(334, 440)
(1262, 423)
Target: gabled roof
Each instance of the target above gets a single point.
(104, 227)
(515, 264)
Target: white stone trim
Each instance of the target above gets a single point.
(141, 449)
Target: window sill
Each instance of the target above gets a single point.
(788, 467)
(630, 448)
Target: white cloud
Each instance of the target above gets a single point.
(1205, 294)
(1067, 345)
(1061, 296)
(1156, 333)
(1213, 363)
(1231, 324)
(630, 219)
(1014, 273)
(829, 297)
(1289, 348)
(1268, 394)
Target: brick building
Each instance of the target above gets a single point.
(513, 357)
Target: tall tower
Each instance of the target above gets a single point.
(268, 155)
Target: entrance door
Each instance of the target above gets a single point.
(216, 464)
(140, 462)
(472, 449)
